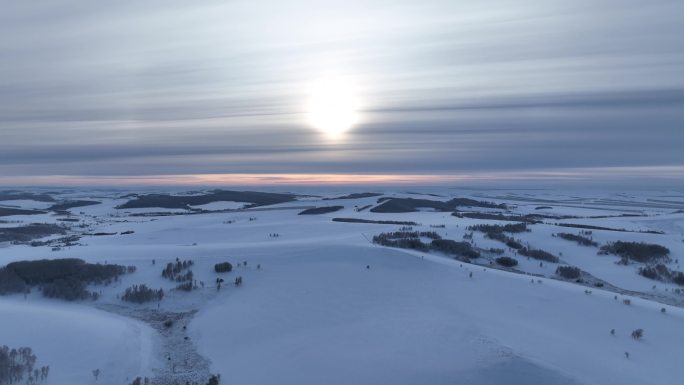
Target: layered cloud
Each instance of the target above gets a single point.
(154, 88)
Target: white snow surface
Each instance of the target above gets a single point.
(329, 307)
(74, 340)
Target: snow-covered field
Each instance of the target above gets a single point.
(326, 305)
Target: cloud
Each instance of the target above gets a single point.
(448, 87)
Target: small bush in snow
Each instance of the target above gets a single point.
(568, 272)
(637, 334)
(224, 267)
(507, 261)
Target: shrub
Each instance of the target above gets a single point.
(637, 334)
(568, 272)
(224, 267)
(507, 261)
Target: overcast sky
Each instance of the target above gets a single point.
(481, 88)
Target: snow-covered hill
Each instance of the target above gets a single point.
(320, 303)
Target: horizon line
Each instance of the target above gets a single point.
(588, 175)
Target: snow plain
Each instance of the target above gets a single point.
(328, 306)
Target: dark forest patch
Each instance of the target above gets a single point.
(8, 195)
(407, 205)
(355, 196)
(29, 232)
(185, 201)
(62, 206)
(9, 211)
(321, 210)
(359, 220)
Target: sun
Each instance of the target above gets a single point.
(332, 105)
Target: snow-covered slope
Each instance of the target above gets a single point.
(328, 306)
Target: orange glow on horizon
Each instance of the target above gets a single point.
(238, 179)
(229, 179)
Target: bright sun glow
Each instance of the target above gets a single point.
(332, 105)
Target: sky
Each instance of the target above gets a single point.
(528, 91)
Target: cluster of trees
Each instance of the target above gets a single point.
(507, 228)
(173, 271)
(448, 246)
(185, 286)
(568, 272)
(185, 201)
(321, 210)
(15, 364)
(529, 218)
(142, 293)
(23, 234)
(359, 220)
(582, 240)
(224, 267)
(591, 227)
(538, 254)
(59, 278)
(661, 272)
(507, 261)
(412, 240)
(496, 232)
(636, 251)
(362, 208)
(405, 205)
(141, 381)
(70, 289)
(397, 239)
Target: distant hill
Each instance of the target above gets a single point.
(185, 201)
(7, 211)
(355, 196)
(321, 210)
(8, 195)
(72, 204)
(407, 205)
